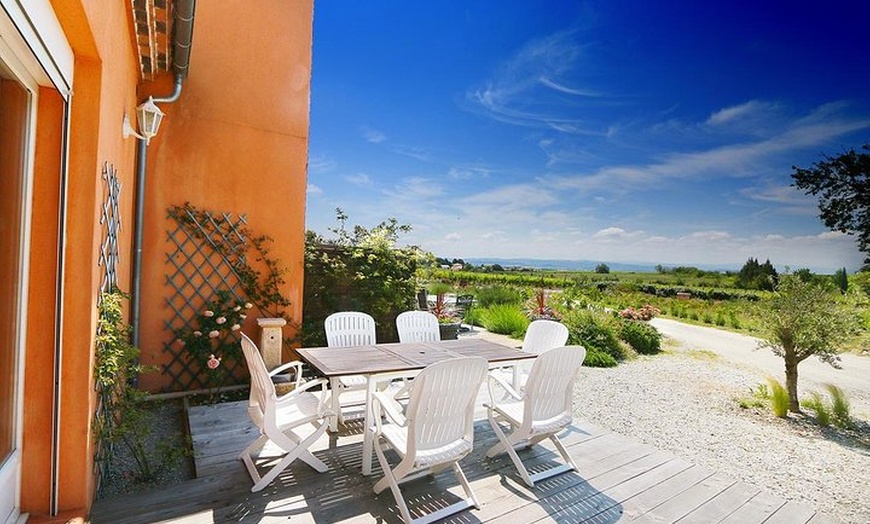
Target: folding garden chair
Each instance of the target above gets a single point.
(278, 417)
(435, 432)
(542, 410)
(347, 329)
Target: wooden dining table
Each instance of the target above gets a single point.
(381, 363)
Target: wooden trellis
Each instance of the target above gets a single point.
(202, 250)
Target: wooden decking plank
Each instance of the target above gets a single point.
(791, 513)
(722, 505)
(522, 504)
(757, 509)
(677, 507)
(646, 500)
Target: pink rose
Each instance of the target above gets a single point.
(236, 327)
(197, 333)
(208, 313)
(214, 334)
(213, 362)
(221, 320)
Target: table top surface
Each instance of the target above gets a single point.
(387, 358)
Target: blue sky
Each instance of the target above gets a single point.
(622, 131)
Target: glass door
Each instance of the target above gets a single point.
(15, 129)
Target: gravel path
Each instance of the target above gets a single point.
(683, 402)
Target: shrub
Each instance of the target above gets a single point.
(494, 295)
(758, 397)
(645, 339)
(647, 312)
(505, 319)
(840, 407)
(595, 332)
(598, 359)
(817, 404)
(778, 398)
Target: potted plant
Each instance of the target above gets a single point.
(448, 321)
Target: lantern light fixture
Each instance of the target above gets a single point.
(148, 116)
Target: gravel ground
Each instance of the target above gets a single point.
(684, 402)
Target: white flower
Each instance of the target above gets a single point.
(237, 308)
(221, 320)
(197, 333)
(248, 305)
(208, 313)
(243, 316)
(214, 334)
(236, 327)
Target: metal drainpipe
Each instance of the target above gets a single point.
(182, 39)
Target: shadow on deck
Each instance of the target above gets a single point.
(619, 480)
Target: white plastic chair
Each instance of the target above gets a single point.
(542, 410)
(541, 336)
(436, 431)
(278, 417)
(347, 329)
(417, 326)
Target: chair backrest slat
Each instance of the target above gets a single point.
(441, 407)
(261, 402)
(349, 328)
(549, 390)
(542, 335)
(417, 326)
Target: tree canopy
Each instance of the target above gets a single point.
(842, 184)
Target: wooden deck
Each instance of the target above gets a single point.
(619, 481)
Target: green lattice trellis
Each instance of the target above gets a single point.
(110, 224)
(205, 251)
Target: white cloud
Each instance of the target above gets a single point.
(750, 110)
(742, 159)
(373, 135)
(359, 179)
(453, 237)
(311, 189)
(320, 164)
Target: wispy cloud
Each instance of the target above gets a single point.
(750, 110)
(743, 159)
(530, 88)
(311, 189)
(359, 179)
(320, 164)
(373, 135)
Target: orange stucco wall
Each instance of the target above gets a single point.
(236, 141)
(104, 88)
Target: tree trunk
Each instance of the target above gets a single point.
(791, 379)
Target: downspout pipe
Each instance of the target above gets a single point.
(182, 39)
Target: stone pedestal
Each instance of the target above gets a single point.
(271, 340)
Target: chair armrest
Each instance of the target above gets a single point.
(392, 409)
(287, 365)
(322, 407)
(504, 385)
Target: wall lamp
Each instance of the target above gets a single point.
(149, 116)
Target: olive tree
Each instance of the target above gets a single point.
(804, 318)
(842, 184)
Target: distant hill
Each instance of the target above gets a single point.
(582, 265)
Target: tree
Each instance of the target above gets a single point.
(841, 279)
(801, 319)
(842, 184)
(757, 276)
(602, 268)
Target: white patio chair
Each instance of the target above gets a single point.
(417, 326)
(347, 329)
(541, 336)
(278, 417)
(542, 410)
(435, 432)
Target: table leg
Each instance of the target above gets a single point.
(368, 432)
